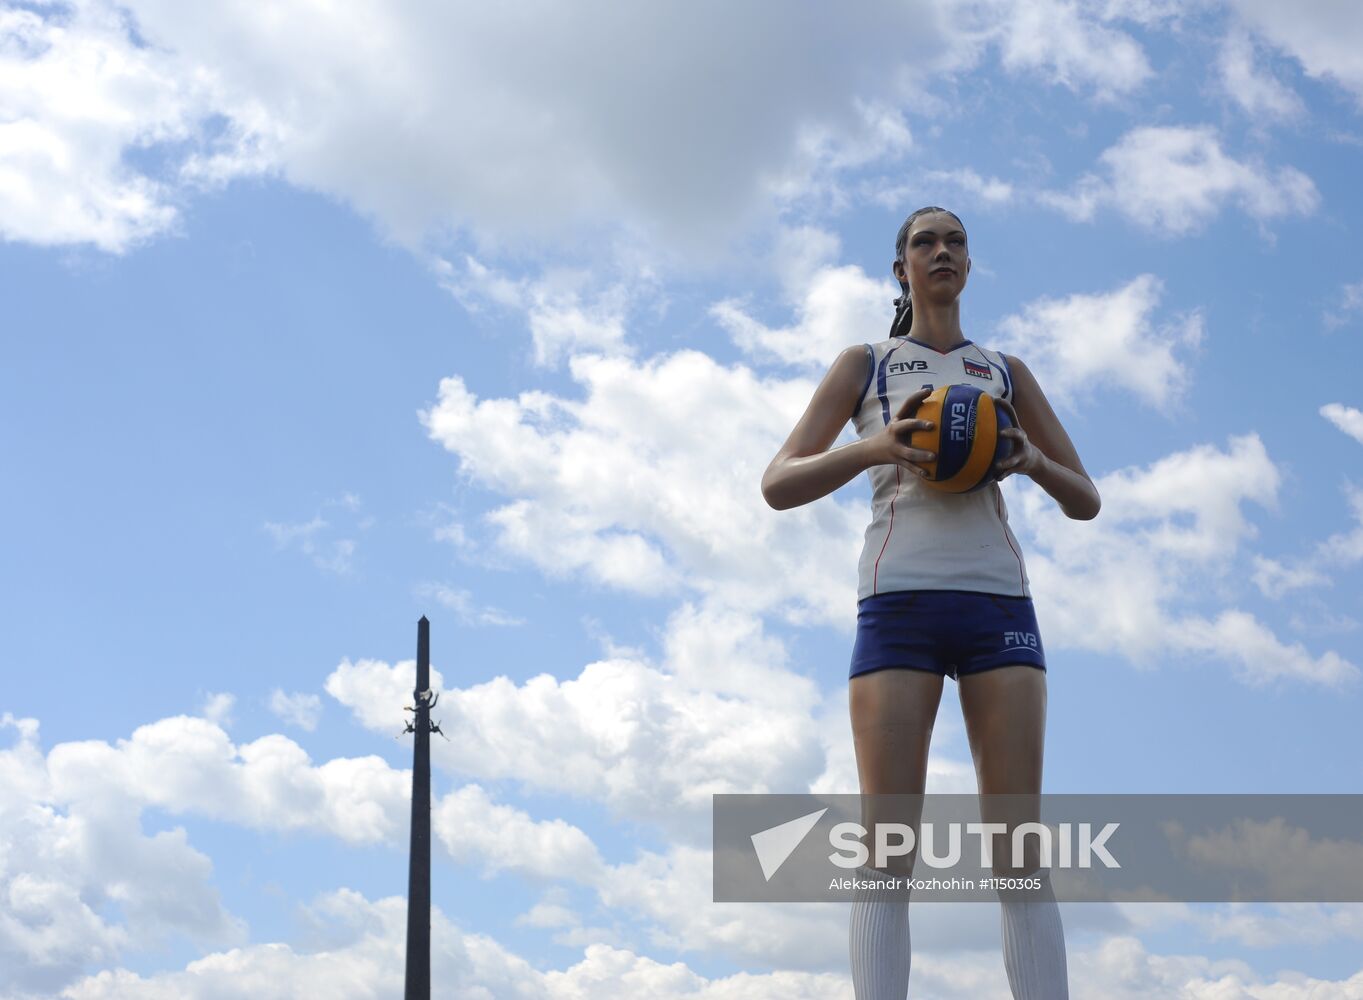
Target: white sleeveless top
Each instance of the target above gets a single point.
(921, 539)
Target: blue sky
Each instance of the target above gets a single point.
(316, 324)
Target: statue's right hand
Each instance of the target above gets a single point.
(891, 445)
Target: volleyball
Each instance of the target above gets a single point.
(964, 437)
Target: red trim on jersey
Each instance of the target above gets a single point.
(875, 574)
(998, 506)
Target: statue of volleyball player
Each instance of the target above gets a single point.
(941, 580)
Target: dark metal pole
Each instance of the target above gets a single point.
(419, 870)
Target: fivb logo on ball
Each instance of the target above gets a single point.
(959, 420)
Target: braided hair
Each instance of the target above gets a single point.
(903, 306)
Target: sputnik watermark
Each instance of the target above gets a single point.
(1099, 848)
(1058, 847)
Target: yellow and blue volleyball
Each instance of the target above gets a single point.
(965, 438)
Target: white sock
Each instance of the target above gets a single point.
(1034, 943)
(880, 940)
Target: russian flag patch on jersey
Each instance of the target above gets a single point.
(976, 369)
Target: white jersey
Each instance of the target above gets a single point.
(922, 539)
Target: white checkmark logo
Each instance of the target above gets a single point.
(777, 843)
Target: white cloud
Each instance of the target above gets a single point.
(1257, 91)
(349, 501)
(434, 119)
(297, 709)
(476, 830)
(989, 190)
(79, 886)
(1341, 549)
(366, 960)
(1320, 619)
(813, 181)
(365, 945)
(1345, 547)
(563, 317)
(188, 765)
(1346, 418)
(833, 304)
(1175, 179)
(1121, 968)
(1056, 38)
(1166, 542)
(460, 601)
(1144, 12)
(1324, 35)
(1084, 343)
(1257, 654)
(572, 933)
(75, 98)
(929, 186)
(334, 555)
(80, 883)
(1274, 578)
(515, 134)
(1350, 306)
(217, 708)
(622, 487)
(1305, 923)
(1288, 860)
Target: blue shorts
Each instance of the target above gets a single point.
(951, 633)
